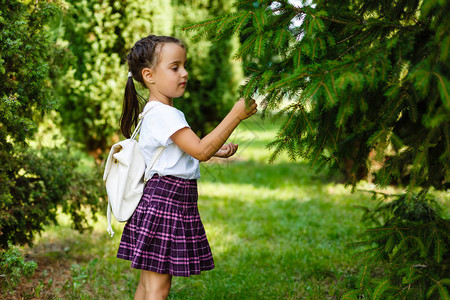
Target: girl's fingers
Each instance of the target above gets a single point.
(227, 150)
(230, 149)
(233, 148)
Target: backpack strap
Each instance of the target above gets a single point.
(138, 126)
(108, 217)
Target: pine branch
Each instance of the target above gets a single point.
(284, 82)
(443, 88)
(355, 44)
(380, 289)
(386, 195)
(244, 47)
(237, 3)
(242, 20)
(303, 12)
(204, 23)
(362, 277)
(349, 37)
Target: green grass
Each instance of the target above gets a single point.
(277, 231)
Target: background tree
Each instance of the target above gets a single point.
(34, 181)
(69, 57)
(367, 88)
(214, 76)
(100, 34)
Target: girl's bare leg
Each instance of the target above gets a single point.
(153, 286)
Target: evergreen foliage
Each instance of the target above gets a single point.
(357, 78)
(413, 238)
(33, 181)
(364, 88)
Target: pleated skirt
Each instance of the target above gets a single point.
(165, 234)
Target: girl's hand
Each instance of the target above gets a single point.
(227, 150)
(213, 143)
(245, 110)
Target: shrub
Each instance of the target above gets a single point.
(13, 268)
(411, 241)
(34, 181)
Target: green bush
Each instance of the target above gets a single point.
(13, 268)
(34, 181)
(45, 180)
(411, 242)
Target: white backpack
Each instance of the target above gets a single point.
(124, 177)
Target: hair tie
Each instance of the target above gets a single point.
(130, 75)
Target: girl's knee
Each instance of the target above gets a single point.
(156, 286)
(153, 291)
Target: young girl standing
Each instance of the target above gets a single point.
(165, 236)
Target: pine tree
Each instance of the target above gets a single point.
(366, 85)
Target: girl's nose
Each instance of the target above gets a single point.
(184, 73)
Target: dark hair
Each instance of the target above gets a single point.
(144, 54)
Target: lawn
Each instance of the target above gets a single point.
(277, 231)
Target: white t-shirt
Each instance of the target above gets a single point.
(158, 125)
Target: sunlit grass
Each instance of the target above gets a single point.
(276, 231)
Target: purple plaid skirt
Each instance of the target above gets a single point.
(165, 234)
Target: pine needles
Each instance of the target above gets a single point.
(367, 88)
(413, 242)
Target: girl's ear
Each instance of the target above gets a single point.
(147, 76)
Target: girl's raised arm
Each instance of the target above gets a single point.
(205, 148)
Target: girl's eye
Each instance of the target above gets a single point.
(175, 68)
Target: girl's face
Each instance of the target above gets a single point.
(169, 76)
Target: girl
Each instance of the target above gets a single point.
(165, 236)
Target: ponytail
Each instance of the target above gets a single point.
(144, 54)
(131, 108)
